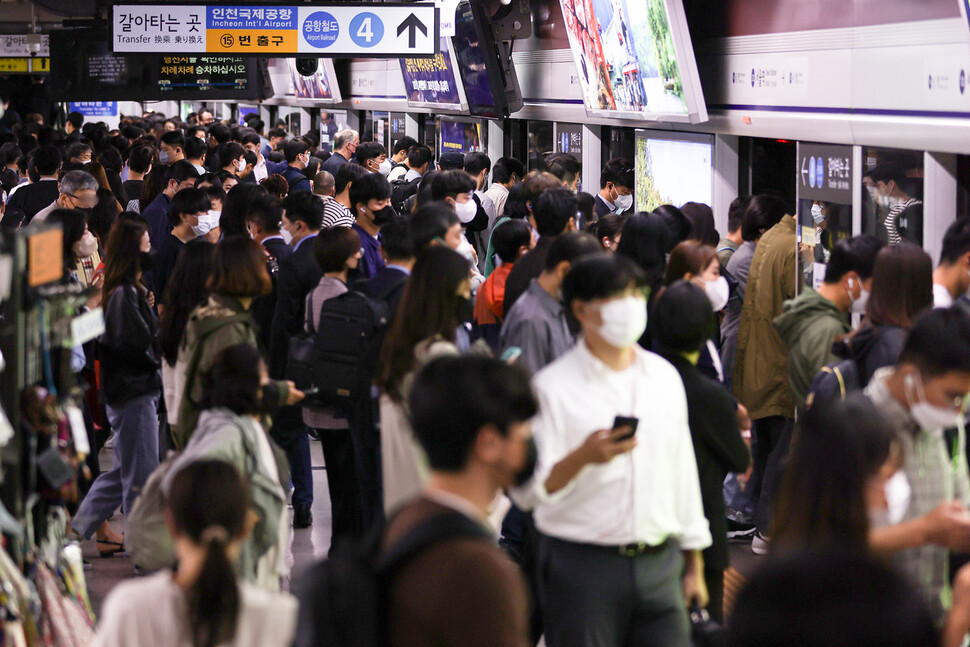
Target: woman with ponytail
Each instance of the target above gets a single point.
(201, 604)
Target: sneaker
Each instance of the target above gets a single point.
(759, 544)
(739, 517)
(741, 531)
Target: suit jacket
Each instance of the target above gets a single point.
(718, 448)
(27, 201)
(295, 178)
(264, 307)
(526, 268)
(334, 163)
(156, 214)
(387, 285)
(298, 274)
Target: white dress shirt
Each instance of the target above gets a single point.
(648, 495)
(941, 296)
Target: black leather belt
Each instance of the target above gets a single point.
(634, 549)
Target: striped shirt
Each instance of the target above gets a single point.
(337, 215)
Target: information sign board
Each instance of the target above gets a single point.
(348, 29)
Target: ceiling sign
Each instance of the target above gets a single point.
(351, 30)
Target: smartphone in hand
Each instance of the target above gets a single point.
(626, 421)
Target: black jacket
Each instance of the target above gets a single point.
(387, 285)
(130, 352)
(872, 348)
(525, 269)
(298, 274)
(718, 447)
(264, 307)
(27, 201)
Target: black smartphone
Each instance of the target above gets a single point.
(626, 421)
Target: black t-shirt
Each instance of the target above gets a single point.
(132, 189)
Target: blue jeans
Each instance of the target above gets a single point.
(290, 434)
(135, 426)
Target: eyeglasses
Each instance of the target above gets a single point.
(85, 203)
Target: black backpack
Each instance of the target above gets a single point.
(343, 600)
(346, 346)
(401, 190)
(834, 382)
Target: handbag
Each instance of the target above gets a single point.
(300, 354)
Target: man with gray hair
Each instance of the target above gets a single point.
(324, 185)
(344, 146)
(76, 190)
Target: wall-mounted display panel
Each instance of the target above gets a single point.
(673, 168)
(634, 59)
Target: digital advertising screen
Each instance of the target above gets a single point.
(84, 69)
(673, 169)
(322, 84)
(461, 137)
(471, 65)
(628, 61)
(431, 82)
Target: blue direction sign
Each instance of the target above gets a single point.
(348, 29)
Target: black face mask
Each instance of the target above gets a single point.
(465, 310)
(147, 261)
(529, 467)
(385, 216)
(271, 398)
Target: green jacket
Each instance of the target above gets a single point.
(217, 324)
(224, 436)
(809, 325)
(761, 366)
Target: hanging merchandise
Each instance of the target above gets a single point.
(43, 444)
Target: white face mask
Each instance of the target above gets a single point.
(385, 167)
(465, 249)
(86, 247)
(241, 165)
(898, 493)
(718, 292)
(623, 203)
(287, 237)
(817, 215)
(466, 211)
(164, 157)
(926, 415)
(624, 321)
(207, 222)
(859, 305)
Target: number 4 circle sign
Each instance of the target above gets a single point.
(366, 29)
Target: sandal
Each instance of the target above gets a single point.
(116, 547)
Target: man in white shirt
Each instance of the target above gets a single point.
(505, 174)
(621, 519)
(952, 277)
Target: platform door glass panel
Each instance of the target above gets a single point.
(892, 195)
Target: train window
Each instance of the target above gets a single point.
(768, 166)
(330, 123)
(892, 195)
(963, 185)
(622, 144)
(540, 143)
(429, 134)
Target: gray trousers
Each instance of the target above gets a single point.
(135, 426)
(594, 597)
